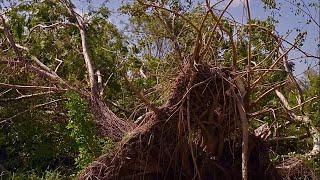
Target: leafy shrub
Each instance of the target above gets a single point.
(47, 175)
(81, 128)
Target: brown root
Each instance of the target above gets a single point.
(294, 168)
(195, 135)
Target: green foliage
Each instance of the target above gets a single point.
(271, 4)
(313, 90)
(314, 163)
(81, 128)
(35, 141)
(47, 175)
(45, 140)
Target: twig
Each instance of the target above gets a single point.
(289, 138)
(245, 174)
(268, 91)
(26, 96)
(173, 37)
(304, 119)
(17, 49)
(271, 67)
(15, 86)
(30, 109)
(218, 23)
(5, 92)
(254, 114)
(10, 37)
(293, 79)
(300, 105)
(117, 106)
(57, 67)
(140, 95)
(173, 12)
(33, 68)
(283, 39)
(308, 14)
(271, 53)
(57, 24)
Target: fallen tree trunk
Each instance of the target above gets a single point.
(109, 124)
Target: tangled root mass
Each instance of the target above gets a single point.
(195, 135)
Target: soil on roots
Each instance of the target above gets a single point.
(195, 135)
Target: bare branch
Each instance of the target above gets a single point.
(257, 113)
(26, 96)
(10, 37)
(305, 119)
(268, 91)
(34, 69)
(30, 109)
(140, 95)
(13, 86)
(57, 24)
(307, 13)
(283, 39)
(5, 92)
(118, 107)
(271, 67)
(293, 79)
(57, 67)
(283, 100)
(85, 50)
(41, 65)
(173, 38)
(173, 12)
(249, 59)
(218, 23)
(307, 101)
(289, 138)
(17, 49)
(275, 49)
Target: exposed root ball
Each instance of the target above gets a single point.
(294, 168)
(195, 135)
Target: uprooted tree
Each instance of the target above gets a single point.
(216, 86)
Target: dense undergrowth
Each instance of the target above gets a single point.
(60, 151)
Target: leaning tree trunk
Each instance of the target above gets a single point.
(109, 124)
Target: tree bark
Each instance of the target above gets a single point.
(109, 124)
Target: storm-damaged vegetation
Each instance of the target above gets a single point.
(182, 91)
